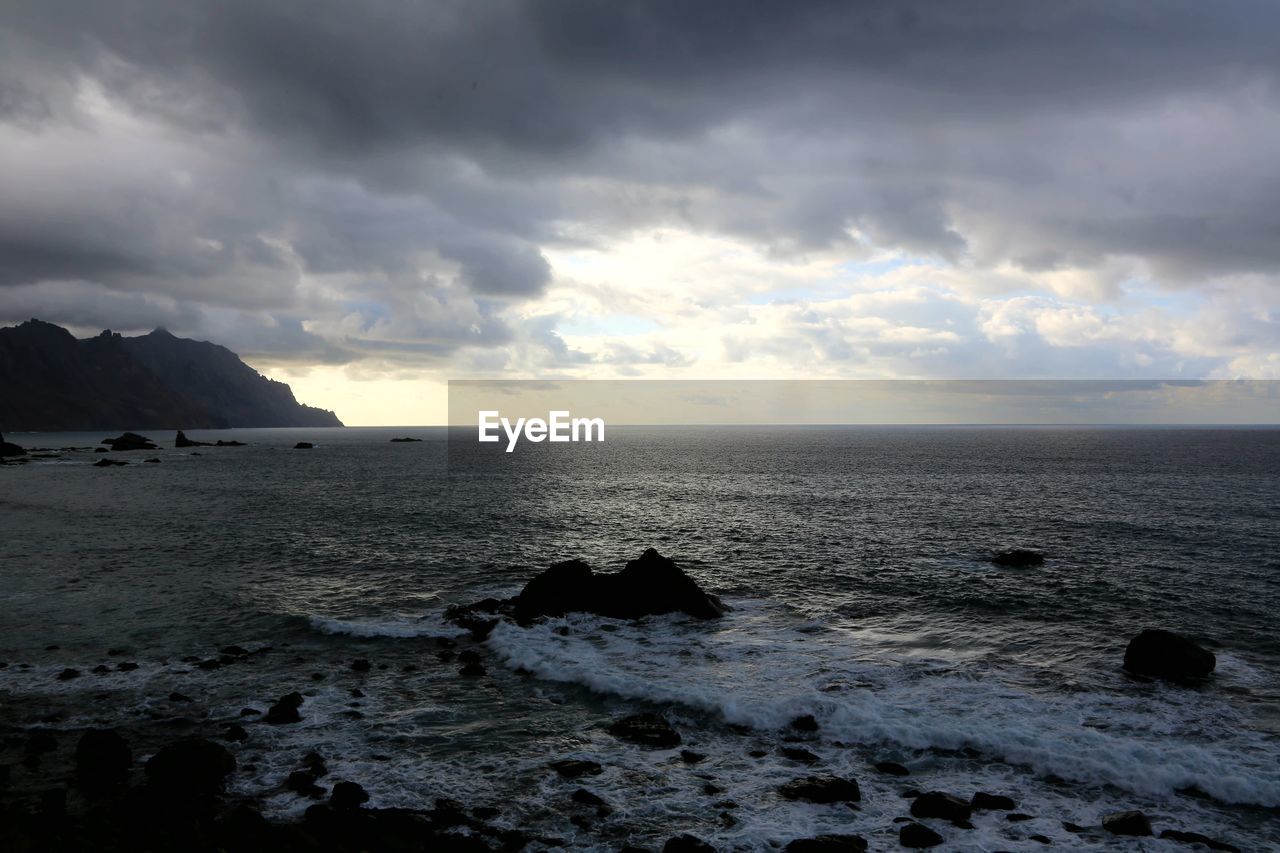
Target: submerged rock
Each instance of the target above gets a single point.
(1018, 558)
(1127, 823)
(940, 804)
(107, 463)
(892, 768)
(1164, 654)
(917, 836)
(822, 789)
(646, 730)
(992, 802)
(687, 843)
(401, 440)
(1197, 838)
(650, 585)
(573, 768)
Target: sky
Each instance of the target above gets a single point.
(368, 199)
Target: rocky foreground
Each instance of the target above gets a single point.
(104, 789)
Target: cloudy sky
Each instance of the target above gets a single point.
(365, 199)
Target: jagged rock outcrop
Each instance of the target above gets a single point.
(55, 382)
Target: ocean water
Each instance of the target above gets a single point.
(853, 559)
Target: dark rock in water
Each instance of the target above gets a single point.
(181, 440)
(573, 768)
(687, 844)
(68, 674)
(234, 651)
(1164, 654)
(803, 756)
(360, 665)
(647, 730)
(314, 764)
(348, 795)
(191, 767)
(103, 759)
(650, 585)
(828, 844)
(126, 666)
(1127, 823)
(822, 789)
(221, 443)
(303, 445)
(179, 697)
(992, 802)
(1074, 828)
(1018, 558)
(688, 756)
(1018, 817)
(1197, 838)
(473, 670)
(8, 449)
(101, 450)
(1043, 839)
(285, 710)
(40, 743)
(805, 723)
(396, 440)
(107, 463)
(918, 836)
(586, 798)
(939, 804)
(235, 733)
(303, 783)
(152, 461)
(892, 768)
(130, 441)
(469, 656)
(101, 669)
(244, 828)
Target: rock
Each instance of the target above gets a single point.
(473, 670)
(130, 441)
(1043, 839)
(803, 756)
(39, 743)
(126, 666)
(303, 445)
(285, 710)
(101, 669)
(1197, 838)
(179, 697)
(8, 449)
(222, 443)
(68, 674)
(103, 759)
(917, 836)
(314, 764)
(348, 795)
(107, 463)
(942, 805)
(1018, 558)
(649, 585)
(688, 756)
(822, 789)
(360, 665)
(646, 730)
(1164, 654)
(892, 768)
(193, 767)
(152, 461)
(586, 798)
(234, 651)
(573, 768)
(992, 802)
(805, 723)
(235, 733)
(303, 783)
(397, 440)
(181, 440)
(828, 844)
(1127, 823)
(687, 843)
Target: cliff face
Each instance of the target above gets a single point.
(49, 380)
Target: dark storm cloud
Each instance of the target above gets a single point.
(420, 156)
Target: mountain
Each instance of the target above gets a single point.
(49, 380)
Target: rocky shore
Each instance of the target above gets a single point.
(165, 784)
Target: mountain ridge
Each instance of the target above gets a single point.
(52, 381)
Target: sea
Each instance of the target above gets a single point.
(855, 561)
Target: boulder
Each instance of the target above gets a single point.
(941, 805)
(181, 440)
(892, 768)
(103, 759)
(917, 836)
(8, 449)
(1018, 558)
(650, 585)
(828, 844)
(348, 795)
(1127, 823)
(992, 802)
(193, 767)
(285, 710)
(1164, 654)
(130, 441)
(646, 730)
(303, 445)
(822, 789)
(1197, 838)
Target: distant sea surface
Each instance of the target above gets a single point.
(854, 560)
